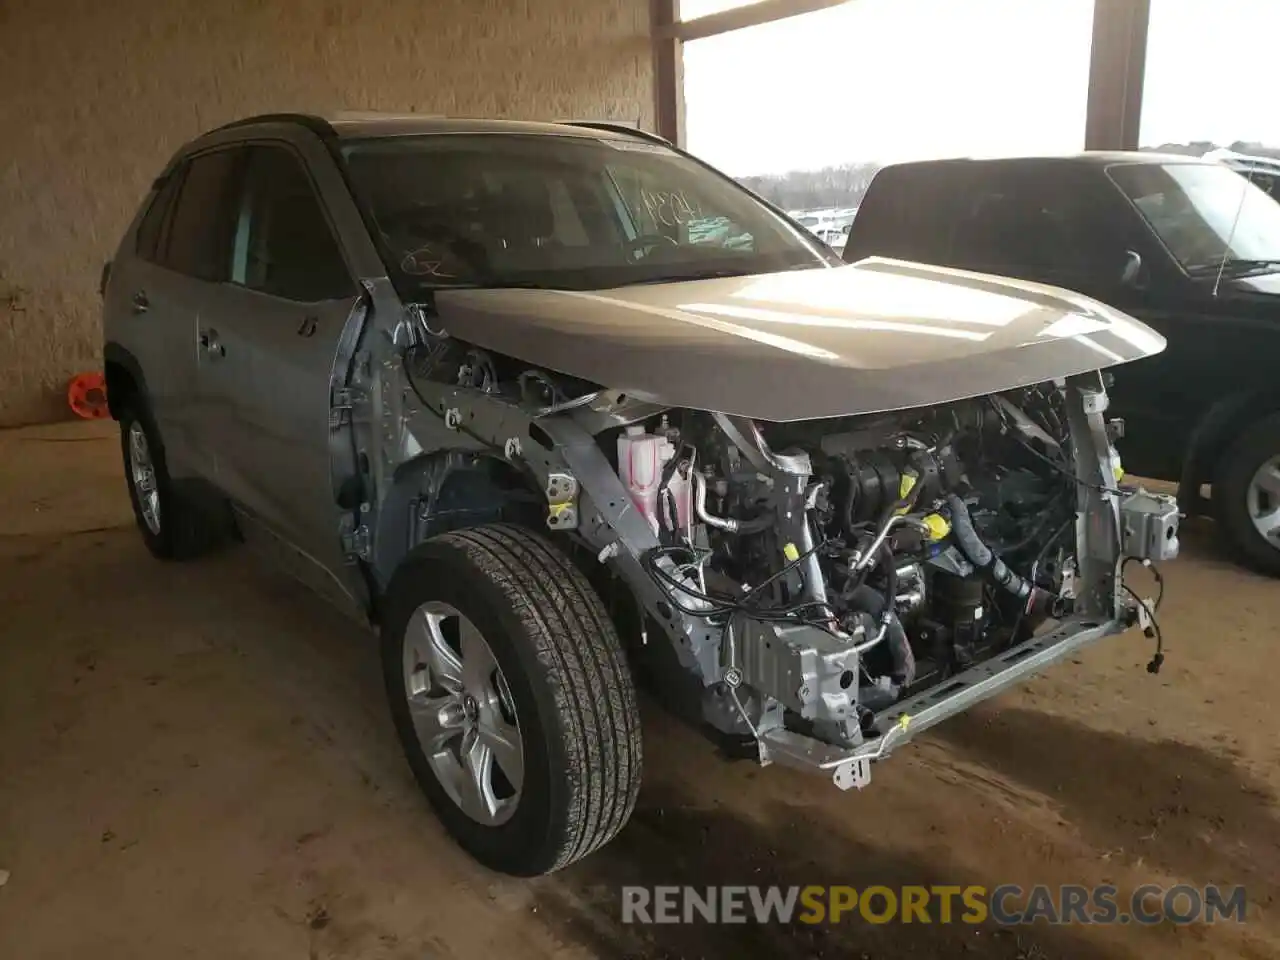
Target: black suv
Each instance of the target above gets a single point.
(1188, 246)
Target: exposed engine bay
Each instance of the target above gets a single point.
(873, 557)
(822, 578)
(916, 527)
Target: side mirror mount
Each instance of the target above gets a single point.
(1133, 275)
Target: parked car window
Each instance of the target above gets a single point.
(199, 235)
(151, 239)
(1204, 213)
(284, 245)
(568, 211)
(907, 214)
(1037, 223)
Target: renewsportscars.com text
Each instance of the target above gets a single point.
(1008, 904)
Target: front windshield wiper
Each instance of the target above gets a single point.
(1235, 267)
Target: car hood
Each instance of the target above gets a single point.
(866, 337)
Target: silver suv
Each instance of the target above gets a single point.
(543, 404)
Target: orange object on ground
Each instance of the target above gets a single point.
(87, 395)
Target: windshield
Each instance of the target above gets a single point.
(560, 211)
(1204, 212)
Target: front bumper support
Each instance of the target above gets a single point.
(850, 766)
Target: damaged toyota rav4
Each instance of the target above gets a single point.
(550, 404)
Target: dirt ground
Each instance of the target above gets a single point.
(195, 761)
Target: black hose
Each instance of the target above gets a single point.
(903, 658)
(982, 557)
(754, 525)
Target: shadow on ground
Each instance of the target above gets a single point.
(1179, 807)
(669, 842)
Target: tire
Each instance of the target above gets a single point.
(180, 530)
(562, 691)
(1233, 508)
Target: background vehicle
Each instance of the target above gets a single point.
(1185, 245)
(1262, 172)
(471, 380)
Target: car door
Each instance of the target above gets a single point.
(267, 354)
(180, 252)
(1057, 222)
(1222, 333)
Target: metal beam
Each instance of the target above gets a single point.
(751, 15)
(1117, 67)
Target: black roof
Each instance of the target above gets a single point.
(1085, 158)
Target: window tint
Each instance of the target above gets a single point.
(151, 239)
(1203, 212)
(1039, 220)
(199, 233)
(905, 214)
(284, 245)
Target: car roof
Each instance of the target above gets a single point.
(1087, 158)
(356, 125)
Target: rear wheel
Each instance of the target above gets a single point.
(172, 528)
(511, 697)
(1246, 494)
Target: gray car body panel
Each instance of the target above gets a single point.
(864, 338)
(373, 449)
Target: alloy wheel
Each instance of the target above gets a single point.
(1263, 500)
(463, 713)
(143, 476)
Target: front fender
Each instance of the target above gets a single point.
(123, 374)
(1213, 433)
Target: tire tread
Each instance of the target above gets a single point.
(578, 647)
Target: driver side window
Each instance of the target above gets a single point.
(284, 245)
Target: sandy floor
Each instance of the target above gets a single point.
(195, 761)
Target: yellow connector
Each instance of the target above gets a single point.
(939, 526)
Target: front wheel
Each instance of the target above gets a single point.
(1246, 495)
(511, 698)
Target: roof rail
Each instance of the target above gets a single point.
(618, 127)
(317, 125)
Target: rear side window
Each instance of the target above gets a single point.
(199, 232)
(284, 245)
(1031, 219)
(905, 215)
(151, 231)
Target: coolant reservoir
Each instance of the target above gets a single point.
(641, 457)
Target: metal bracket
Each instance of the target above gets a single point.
(357, 540)
(846, 769)
(341, 406)
(562, 507)
(1095, 401)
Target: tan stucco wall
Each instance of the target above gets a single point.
(96, 94)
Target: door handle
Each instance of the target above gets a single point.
(211, 345)
(140, 302)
